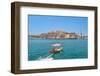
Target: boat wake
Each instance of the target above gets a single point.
(56, 49)
(49, 57)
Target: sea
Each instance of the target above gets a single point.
(72, 49)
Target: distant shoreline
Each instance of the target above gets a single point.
(55, 39)
(58, 34)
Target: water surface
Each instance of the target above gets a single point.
(72, 49)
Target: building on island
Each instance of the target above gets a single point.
(59, 35)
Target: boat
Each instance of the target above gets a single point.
(56, 48)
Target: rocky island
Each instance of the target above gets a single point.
(59, 35)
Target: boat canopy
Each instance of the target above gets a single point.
(56, 44)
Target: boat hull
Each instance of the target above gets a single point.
(55, 52)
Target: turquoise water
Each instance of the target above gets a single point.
(72, 49)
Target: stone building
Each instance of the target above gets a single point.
(58, 35)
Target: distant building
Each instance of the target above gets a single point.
(59, 35)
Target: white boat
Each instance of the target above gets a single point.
(56, 48)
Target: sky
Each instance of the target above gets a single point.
(38, 24)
